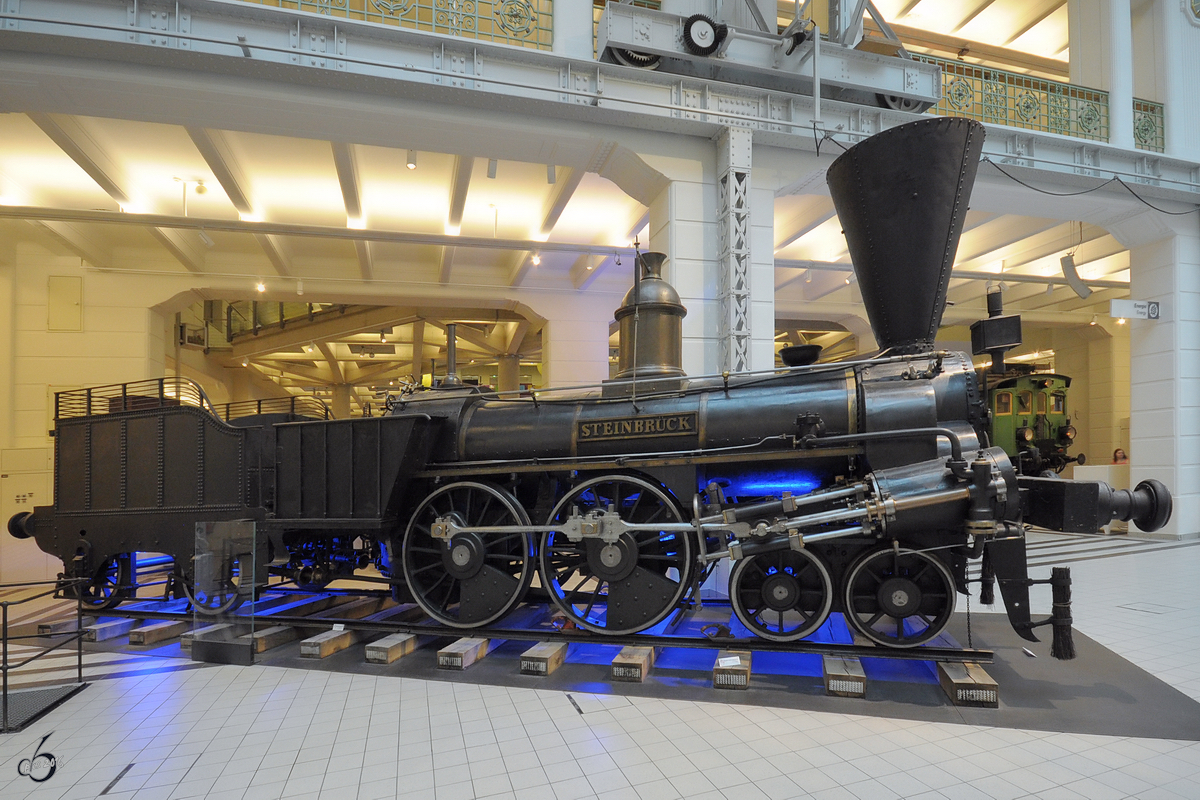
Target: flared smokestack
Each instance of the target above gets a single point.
(902, 196)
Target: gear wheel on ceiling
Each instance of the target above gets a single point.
(702, 36)
(632, 58)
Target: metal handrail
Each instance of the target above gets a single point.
(133, 396)
(76, 635)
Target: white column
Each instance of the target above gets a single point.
(683, 225)
(1164, 427)
(1120, 70)
(573, 29)
(1177, 49)
(508, 373)
(341, 400)
(575, 338)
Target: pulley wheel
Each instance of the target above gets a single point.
(624, 586)
(475, 578)
(898, 598)
(783, 596)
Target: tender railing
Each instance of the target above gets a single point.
(302, 405)
(7, 666)
(526, 23)
(136, 396)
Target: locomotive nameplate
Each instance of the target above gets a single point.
(649, 426)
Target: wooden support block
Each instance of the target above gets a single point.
(543, 658)
(462, 653)
(157, 632)
(109, 629)
(407, 612)
(185, 638)
(968, 685)
(300, 607)
(64, 625)
(270, 638)
(732, 670)
(355, 609)
(327, 643)
(844, 677)
(390, 648)
(632, 664)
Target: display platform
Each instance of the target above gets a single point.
(1097, 693)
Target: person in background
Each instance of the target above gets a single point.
(1119, 457)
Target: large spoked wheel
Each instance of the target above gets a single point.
(215, 597)
(621, 587)
(473, 579)
(782, 596)
(107, 588)
(898, 598)
(898, 103)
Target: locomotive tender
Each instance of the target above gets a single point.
(862, 487)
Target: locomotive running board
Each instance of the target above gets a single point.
(942, 654)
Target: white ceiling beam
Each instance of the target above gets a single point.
(586, 269)
(366, 259)
(516, 337)
(979, 244)
(335, 366)
(446, 264)
(347, 171)
(906, 9)
(564, 189)
(74, 140)
(215, 150)
(469, 335)
(78, 242)
(519, 267)
(460, 184)
(330, 328)
(1037, 17)
(975, 11)
(813, 213)
(306, 231)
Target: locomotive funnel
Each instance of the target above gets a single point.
(651, 324)
(901, 196)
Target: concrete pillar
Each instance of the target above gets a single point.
(1165, 371)
(508, 374)
(1176, 53)
(573, 30)
(341, 400)
(8, 315)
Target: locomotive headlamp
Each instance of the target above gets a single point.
(1067, 432)
(1025, 434)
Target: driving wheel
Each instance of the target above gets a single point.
(897, 597)
(783, 596)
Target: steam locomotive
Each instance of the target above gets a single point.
(862, 487)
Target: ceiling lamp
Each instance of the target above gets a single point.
(536, 259)
(260, 286)
(412, 159)
(492, 163)
(1093, 322)
(1120, 320)
(383, 336)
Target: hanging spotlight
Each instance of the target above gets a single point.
(1049, 288)
(260, 286)
(299, 287)
(412, 159)
(245, 362)
(1093, 322)
(536, 259)
(1121, 321)
(550, 174)
(492, 163)
(383, 336)
(205, 238)
(200, 187)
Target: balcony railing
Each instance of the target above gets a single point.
(1148, 124)
(1001, 97)
(526, 23)
(1023, 101)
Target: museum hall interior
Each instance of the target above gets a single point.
(581, 399)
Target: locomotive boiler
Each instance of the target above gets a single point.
(861, 487)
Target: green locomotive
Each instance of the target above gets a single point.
(1030, 420)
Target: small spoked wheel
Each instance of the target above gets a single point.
(624, 586)
(475, 578)
(214, 595)
(108, 587)
(783, 596)
(898, 103)
(898, 597)
(701, 35)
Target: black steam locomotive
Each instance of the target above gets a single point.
(862, 487)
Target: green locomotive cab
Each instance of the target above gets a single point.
(1030, 421)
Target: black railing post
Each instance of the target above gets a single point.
(88, 413)
(4, 666)
(79, 636)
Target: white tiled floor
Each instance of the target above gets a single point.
(262, 732)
